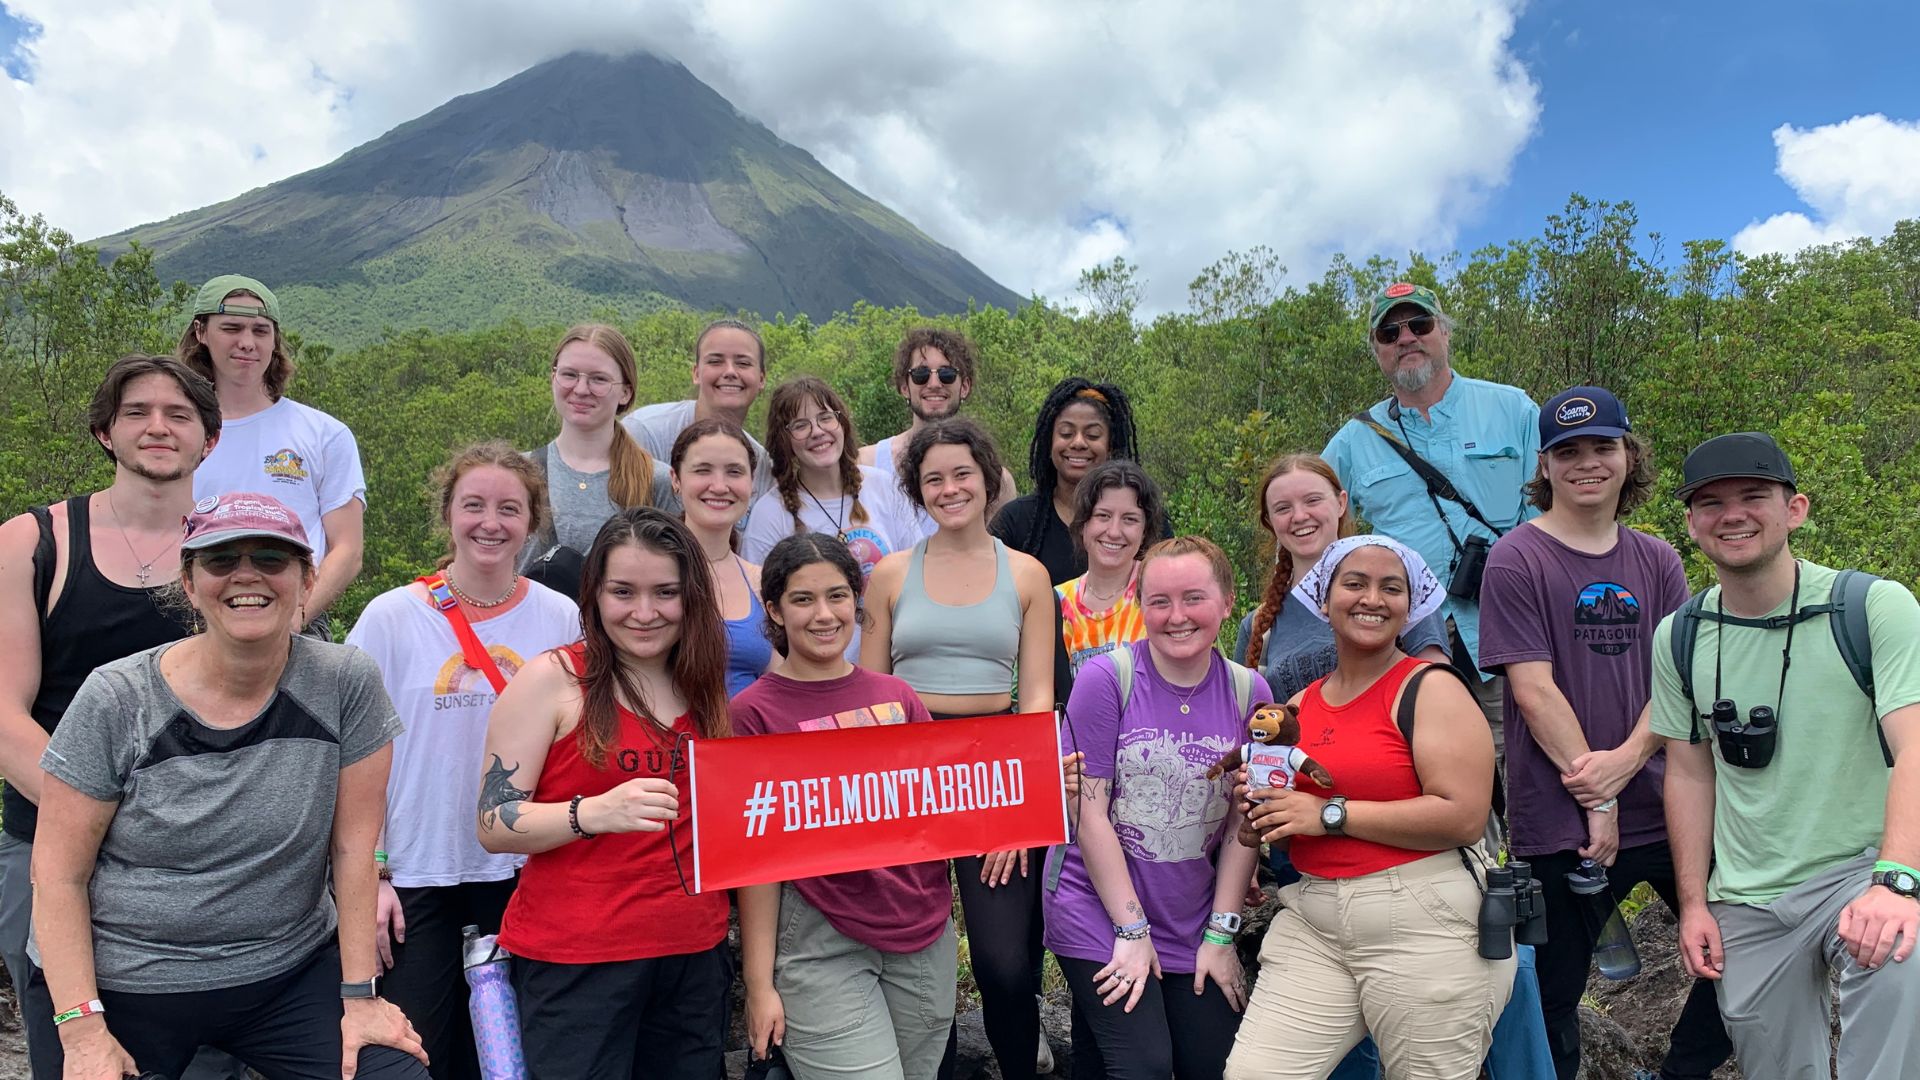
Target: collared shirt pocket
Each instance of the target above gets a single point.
(1495, 473)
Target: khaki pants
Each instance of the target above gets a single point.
(1394, 953)
(853, 1010)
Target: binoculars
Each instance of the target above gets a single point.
(1513, 908)
(1747, 745)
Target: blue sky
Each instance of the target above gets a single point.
(12, 31)
(1672, 106)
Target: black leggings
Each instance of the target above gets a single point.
(428, 980)
(1171, 1031)
(1699, 1041)
(287, 1026)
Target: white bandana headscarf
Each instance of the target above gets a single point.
(1425, 593)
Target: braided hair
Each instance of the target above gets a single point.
(1112, 404)
(1280, 577)
(789, 401)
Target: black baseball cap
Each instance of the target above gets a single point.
(1583, 410)
(1743, 454)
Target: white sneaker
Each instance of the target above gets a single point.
(1045, 1060)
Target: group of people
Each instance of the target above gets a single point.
(236, 809)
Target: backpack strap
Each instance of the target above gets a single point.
(1854, 638)
(1242, 677)
(44, 556)
(1404, 717)
(1686, 630)
(1123, 674)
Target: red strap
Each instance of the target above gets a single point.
(475, 654)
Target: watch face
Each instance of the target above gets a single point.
(1905, 882)
(1332, 814)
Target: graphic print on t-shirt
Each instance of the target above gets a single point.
(1164, 807)
(286, 467)
(1606, 618)
(461, 687)
(867, 547)
(878, 715)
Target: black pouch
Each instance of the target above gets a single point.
(558, 568)
(1469, 569)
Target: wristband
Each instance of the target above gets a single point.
(1886, 865)
(85, 1008)
(573, 819)
(379, 856)
(1605, 807)
(1215, 937)
(1133, 931)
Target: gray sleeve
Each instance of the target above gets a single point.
(1239, 653)
(368, 720)
(662, 495)
(92, 750)
(1431, 630)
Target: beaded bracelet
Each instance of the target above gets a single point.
(573, 819)
(1133, 931)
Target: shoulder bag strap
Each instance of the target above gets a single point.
(1438, 486)
(475, 654)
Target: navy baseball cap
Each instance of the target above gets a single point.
(1583, 410)
(1742, 455)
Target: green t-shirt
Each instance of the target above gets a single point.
(1823, 799)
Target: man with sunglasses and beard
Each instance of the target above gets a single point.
(80, 585)
(933, 369)
(1479, 438)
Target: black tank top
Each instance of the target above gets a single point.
(94, 622)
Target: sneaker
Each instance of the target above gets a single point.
(1044, 1062)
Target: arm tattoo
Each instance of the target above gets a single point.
(1095, 785)
(499, 798)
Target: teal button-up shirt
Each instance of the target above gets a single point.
(1483, 436)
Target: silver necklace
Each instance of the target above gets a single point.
(483, 604)
(145, 572)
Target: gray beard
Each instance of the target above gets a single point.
(1414, 380)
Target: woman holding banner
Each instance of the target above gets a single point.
(618, 968)
(446, 644)
(953, 616)
(851, 974)
(1149, 897)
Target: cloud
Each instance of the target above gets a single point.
(1859, 177)
(1036, 139)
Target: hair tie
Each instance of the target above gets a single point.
(1092, 393)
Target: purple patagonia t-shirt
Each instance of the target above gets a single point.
(1169, 817)
(1592, 618)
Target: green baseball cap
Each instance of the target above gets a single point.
(211, 299)
(1403, 292)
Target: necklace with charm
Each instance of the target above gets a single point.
(145, 571)
(839, 523)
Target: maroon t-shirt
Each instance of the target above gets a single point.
(1592, 617)
(896, 909)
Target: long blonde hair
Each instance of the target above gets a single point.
(630, 467)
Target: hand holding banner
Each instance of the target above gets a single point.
(780, 807)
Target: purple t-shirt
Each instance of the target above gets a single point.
(896, 909)
(1592, 618)
(1170, 818)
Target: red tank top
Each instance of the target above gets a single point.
(1361, 745)
(616, 896)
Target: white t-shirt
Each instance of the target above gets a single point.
(657, 426)
(890, 525)
(293, 452)
(888, 462)
(435, 781)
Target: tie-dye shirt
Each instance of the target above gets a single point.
(1087, 633)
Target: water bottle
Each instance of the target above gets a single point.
(490, 1001)
(1613, 951)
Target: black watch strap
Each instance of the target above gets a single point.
(1899, 881)
(368, 989)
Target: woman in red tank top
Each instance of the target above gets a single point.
(1380, 935)
(615, 963)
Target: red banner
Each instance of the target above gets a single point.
(779, 807)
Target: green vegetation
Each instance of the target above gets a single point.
(1822, 349)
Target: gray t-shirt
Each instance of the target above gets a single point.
(213, 871)
(1300, 647)
(657, 426)
(580, 503)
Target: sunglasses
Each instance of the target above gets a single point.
(224, 561)
(1388, 333)
(922, 375)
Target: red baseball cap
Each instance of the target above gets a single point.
(242, 515)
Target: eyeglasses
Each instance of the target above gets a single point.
(923, 374)
(221, 562)
(1388, 333)
(826, 421)
(597, 384)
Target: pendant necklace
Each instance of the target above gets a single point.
(145, 572)
(839, 526)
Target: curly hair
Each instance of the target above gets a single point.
(195, 355)
(1111, 475)
(789, 400)
(499, 454)
(1641, 474)
(953, 431)
(698, 660)
(795, 553)
(1280, 571)
(1111, 401)
(952, 344)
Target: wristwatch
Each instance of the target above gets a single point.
(368, 989)
(1227, 922)
(1333, 816)
(1900, 881)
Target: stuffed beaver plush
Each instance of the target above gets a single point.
(1272, 759)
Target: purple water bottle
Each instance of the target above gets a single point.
(490, 1001)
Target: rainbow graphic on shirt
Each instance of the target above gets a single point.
(458, 686)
